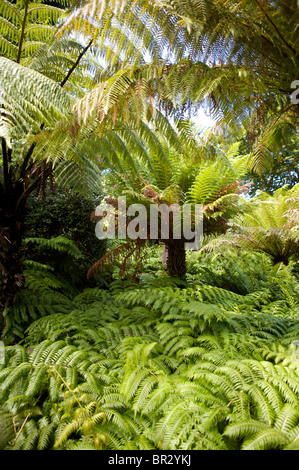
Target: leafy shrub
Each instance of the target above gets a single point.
(64, 213)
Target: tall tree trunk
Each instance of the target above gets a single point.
(176, 258)
(12, 253)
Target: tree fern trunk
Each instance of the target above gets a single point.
(176, 258)
(164, 255)
(11, 250)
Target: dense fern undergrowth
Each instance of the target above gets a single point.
(209, 363)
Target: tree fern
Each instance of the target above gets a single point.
(269, 226)
(22, 112)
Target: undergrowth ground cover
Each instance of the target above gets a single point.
(211, 362)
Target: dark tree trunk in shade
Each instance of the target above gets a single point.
(176, 258)
(12, 251)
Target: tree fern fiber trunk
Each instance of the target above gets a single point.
(176, 258)
(12, 253)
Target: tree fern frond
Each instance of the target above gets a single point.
(22, 111)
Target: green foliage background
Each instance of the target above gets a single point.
(63, 212)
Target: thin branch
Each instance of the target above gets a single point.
(76, 64)
(23, 31)
(23, 198)
(27, 157)
(270, 42)
(5, 165)
(26, 160)
(32, 146)
(20, 430)
(9, 155)
(23, 424)
(275, 27)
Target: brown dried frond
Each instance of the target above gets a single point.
(150, 193)
(236, 187)
(108, 260)
(233, 187)
(112, 201)
(40, 173)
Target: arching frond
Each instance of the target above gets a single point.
(28, 99)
